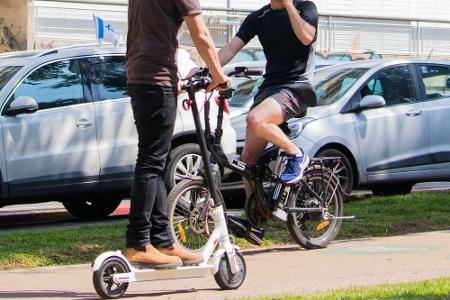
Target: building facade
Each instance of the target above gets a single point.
(401, 27)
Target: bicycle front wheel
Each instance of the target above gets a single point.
(313, 230)
(186, 203)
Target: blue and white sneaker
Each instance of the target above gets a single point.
(295, 167)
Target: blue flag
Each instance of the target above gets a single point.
(104, 31)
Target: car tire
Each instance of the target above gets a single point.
(185, 160)
(392, 189)
(92, 208)
(345, 174)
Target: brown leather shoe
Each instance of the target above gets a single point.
(188, 258)
(149, 257)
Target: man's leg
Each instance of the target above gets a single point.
(154, 111)
(263, 121)
(253, 148)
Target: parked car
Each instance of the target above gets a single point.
(387, 120)
(68, 131)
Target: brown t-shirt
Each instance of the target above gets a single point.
(152, 41)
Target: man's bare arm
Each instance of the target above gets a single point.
(205, 46)
(230, 50)
(304, 31)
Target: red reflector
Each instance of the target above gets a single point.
(226, 108)
(186, 104)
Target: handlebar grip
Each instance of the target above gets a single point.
(254, 73)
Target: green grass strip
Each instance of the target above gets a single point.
(438, 289)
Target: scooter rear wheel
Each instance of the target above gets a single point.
(227, 280)
(103, 278)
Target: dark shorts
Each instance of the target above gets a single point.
(294, 98)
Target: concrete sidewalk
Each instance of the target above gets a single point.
(290, 270)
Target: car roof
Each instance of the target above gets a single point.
(22, 58)
(381, 63)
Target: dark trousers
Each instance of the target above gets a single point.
(154, 110)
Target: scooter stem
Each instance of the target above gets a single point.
(203, 148)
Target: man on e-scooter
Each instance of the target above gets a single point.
(153, 33)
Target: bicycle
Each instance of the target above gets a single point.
(312, 208)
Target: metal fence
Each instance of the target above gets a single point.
(60, 23)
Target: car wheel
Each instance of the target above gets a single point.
(392, 189)
(345, 170)
(92, 208)
(185, 161)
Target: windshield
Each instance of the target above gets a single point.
(245, 92)
(332, 83)
(6, 73)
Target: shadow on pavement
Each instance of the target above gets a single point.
(166, 293)
(49, 294)
(46, 294)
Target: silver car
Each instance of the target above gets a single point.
(68, 133)
(388, 120)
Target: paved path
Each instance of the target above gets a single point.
(291, 270)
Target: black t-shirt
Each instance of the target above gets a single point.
(287, 58)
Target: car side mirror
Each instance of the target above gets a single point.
(372, 101)
(447, 85)
(22, 105)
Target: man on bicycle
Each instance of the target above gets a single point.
(152, 42)
(287, 30)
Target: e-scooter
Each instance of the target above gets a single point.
(112, 273)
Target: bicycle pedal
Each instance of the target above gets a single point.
(241, 229)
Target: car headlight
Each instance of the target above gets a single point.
(296, 127)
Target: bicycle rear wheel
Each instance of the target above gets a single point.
(185, 206)
(313, 230)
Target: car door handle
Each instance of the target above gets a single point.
(83, 123)
(414, 113)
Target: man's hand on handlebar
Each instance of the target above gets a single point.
(219, 82)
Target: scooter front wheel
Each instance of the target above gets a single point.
(225, 278)
(104, 285)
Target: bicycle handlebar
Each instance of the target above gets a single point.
(245, 72)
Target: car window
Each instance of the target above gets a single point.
(110, 76)
(6, 73)
(332, 83)
(54, 85)
(436, 80)
(245, 92)
(394, 84)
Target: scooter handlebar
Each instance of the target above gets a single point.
(199, 81)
